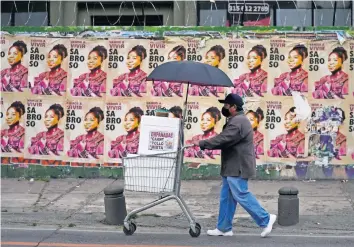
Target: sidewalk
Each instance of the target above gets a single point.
(326, 207)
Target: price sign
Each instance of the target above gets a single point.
(248, 8)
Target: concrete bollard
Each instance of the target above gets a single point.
(288, 206)
(114, 204)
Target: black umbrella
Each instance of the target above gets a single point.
(190, 72)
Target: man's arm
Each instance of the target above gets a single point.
(229, 136)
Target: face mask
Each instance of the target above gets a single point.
(225, 112)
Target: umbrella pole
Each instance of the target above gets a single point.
(180, 154)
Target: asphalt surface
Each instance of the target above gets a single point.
(19, 237)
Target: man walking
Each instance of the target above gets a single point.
(238, 164)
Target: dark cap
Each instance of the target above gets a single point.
(233, 99)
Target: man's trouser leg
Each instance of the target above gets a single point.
(227, 207)
(239, 189)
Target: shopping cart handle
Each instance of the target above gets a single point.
(187, 146)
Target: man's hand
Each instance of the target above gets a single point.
(196, 143)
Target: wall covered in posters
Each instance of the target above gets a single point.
(80, 100)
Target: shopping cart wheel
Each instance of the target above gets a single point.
(197, 232)
(132, 229)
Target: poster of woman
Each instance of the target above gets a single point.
(351, 67)
(45, 125)
(48, 66)
(285, 132)
(328, 70)
(212, 52)
(132, 62)
(248, 67)
(175, 50)
(288, 67)
(84, 140)
(122, 128)
(12, 126)
(255, 111)
(327, 132)
(203, 121)
(350, 145)
(88, 68)
(14, 64)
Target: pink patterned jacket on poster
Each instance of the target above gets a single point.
(13, 138)
(129, 84)
(296, 80)
(96, 84)
(287, 145)
(252, 83)
(43, 142)
(341, 145)
(124, 145)
(207, 91)
(50, 82)
(258, 141)
(91, 143)
(332, 86)
(166, 89)
(196, 152)
(15, 77)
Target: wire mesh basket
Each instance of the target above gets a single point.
(150, 173)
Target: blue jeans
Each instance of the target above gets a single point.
(235, 190)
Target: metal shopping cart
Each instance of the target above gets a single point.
(157, 174)
(161, 173)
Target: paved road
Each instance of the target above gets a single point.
(19, 237)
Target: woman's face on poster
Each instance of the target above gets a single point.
(173, 56)
(94, 60)
(294, 59)
(91, 122)
(207, 122)
(50, 119)
(253, 120)
(212, 59)
(130, 122)
(290, 121)
(334, 62)
(133, 60)
(12, 116)
(53, 59)
(14, 56)
(253, 60)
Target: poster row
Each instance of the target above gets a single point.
(92, 131)
(116, 68)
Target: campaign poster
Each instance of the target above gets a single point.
(285, 132)
(87, 68)
(128, 68)
(350, 145)
(174, 50)
(14, 64)
(122, 128)
(45, 128)
(327, 132)
(248, 67)
(328, 70)
(13, 115)
(203, 120)
(212, 52)
(84, 137)
(255, 111)
(288, 67)
(48, 66)
(351, 67)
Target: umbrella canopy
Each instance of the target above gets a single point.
(190, 72)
